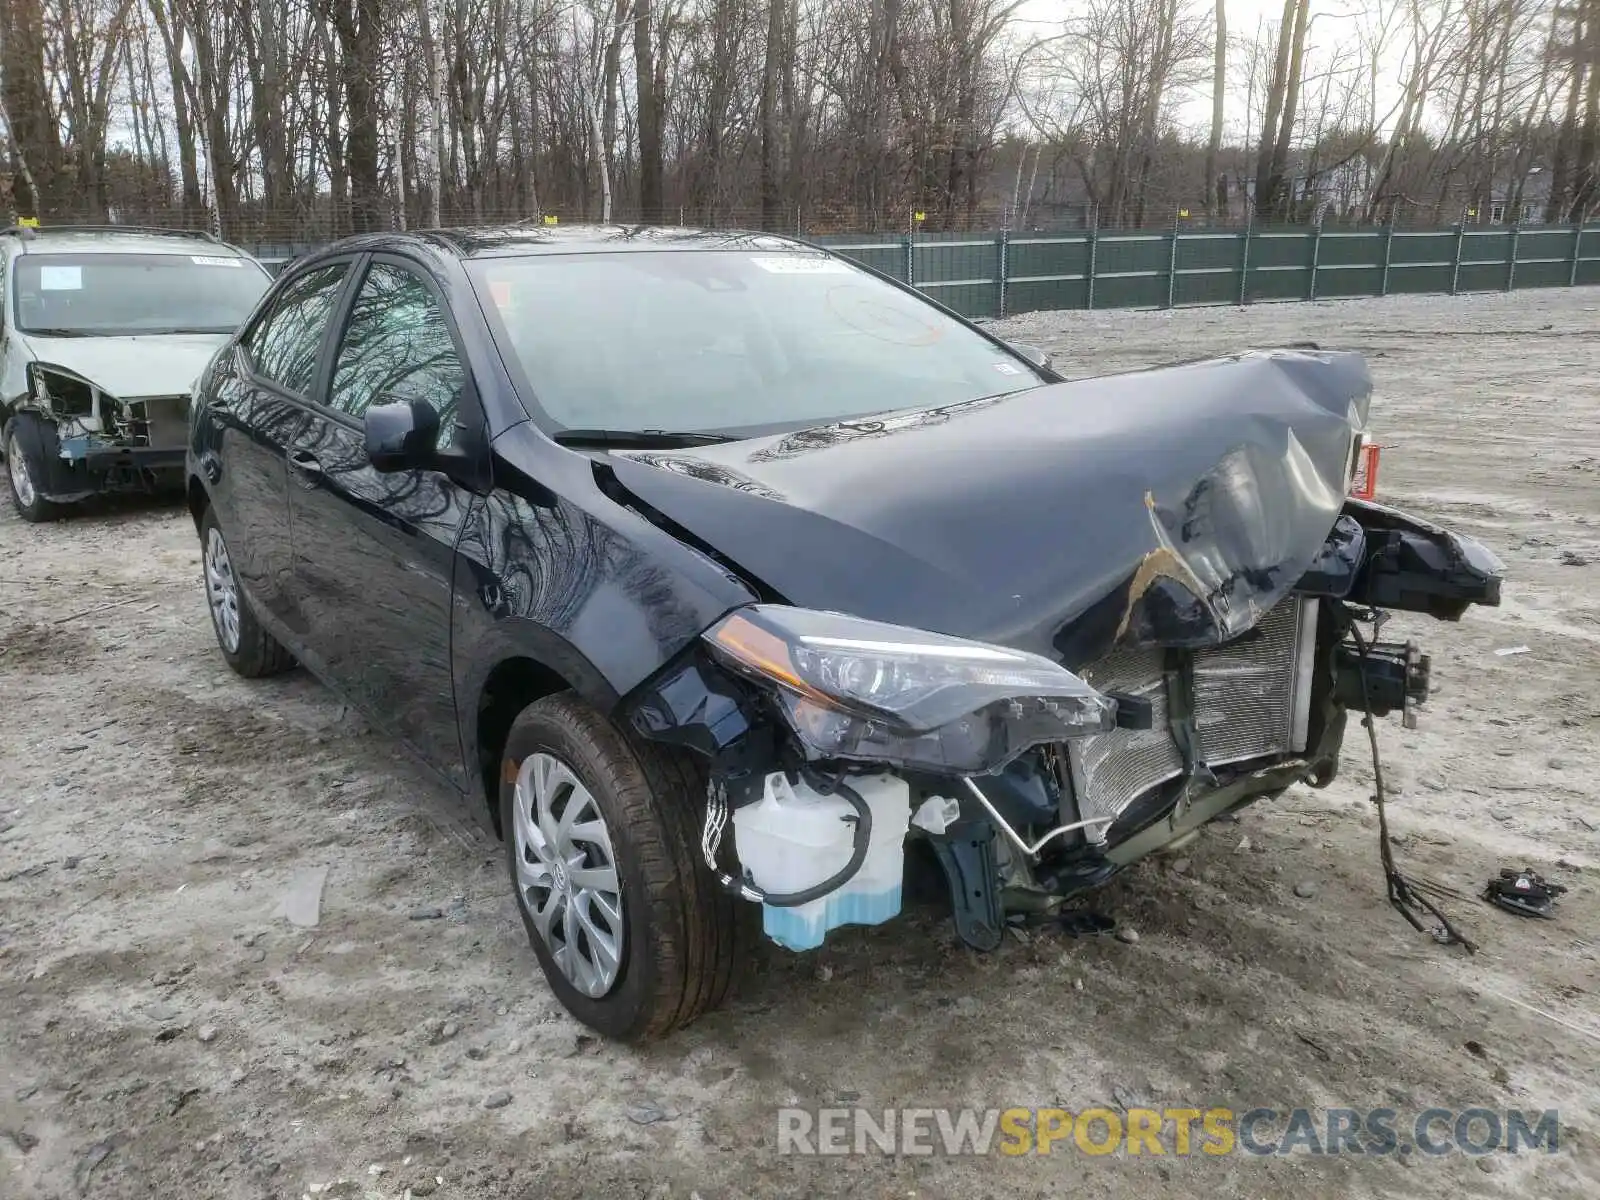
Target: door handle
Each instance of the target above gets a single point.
(308, 466)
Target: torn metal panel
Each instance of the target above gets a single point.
(1172, 507)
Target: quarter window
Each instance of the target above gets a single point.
(284, 346)
(397, 347)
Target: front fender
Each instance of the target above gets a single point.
(63, 481)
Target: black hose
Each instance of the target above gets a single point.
(858, 855)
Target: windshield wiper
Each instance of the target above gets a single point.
(55, 332)
(639, 439)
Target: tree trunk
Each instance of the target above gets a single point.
(610, 77)
(650, 122)
(25, 94)
(1587, 176)
(357, 24)
(1278, 189)
(1266, 186)
(188, 163)
(1219, 80)
(771, 195)
(435, 142)
(1561, 165)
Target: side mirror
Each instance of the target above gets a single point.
(1033, 354)
(401, 435)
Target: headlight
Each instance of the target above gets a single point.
(871, 692)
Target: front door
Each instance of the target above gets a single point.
(373, 551)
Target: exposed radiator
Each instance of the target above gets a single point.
(1251, 700)
(1248, 701)
(161, 422)
(1110, 769)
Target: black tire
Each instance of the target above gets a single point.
(258, 653)
(683, 936)
(22, 443)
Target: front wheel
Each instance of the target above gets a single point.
(250, 650)
(26, 472)
(601, 833)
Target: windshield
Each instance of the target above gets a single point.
(729, 341)
(103, 295)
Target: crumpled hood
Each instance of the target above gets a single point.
(1171, 506)
(128, 367)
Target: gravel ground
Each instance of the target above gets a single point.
(165, 1032)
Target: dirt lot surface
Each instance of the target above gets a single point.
(164, 1032)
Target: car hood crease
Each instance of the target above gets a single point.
(1169, 507)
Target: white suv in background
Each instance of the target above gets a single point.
(104, 330)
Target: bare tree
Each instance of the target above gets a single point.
(1215, 201)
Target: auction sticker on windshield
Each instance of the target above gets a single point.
(792, 264)
(211, 260)
(60, 279)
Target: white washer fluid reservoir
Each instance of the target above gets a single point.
(795, 837)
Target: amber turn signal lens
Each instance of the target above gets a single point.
(1365, 484)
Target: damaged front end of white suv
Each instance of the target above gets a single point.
(90, 440)
(105, 331)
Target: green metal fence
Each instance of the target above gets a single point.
(1000, 274)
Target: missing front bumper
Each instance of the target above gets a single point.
(1245, 700)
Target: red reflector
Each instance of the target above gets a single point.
(1365, 484)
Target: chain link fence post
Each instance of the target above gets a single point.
(1577, 255)
(1511, 267)
(1455, 267)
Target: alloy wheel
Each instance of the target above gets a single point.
(222, 591)
(567, 873)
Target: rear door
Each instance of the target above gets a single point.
(253, 411)
(373, 551)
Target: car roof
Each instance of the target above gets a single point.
(111, 239)
(516, 240)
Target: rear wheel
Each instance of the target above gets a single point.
(601, 833)
(249, 649)
(26, 472)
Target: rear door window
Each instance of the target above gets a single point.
(284, 345)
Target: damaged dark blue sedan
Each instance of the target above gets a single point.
(730, 582)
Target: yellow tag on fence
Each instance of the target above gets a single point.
(552, 220)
